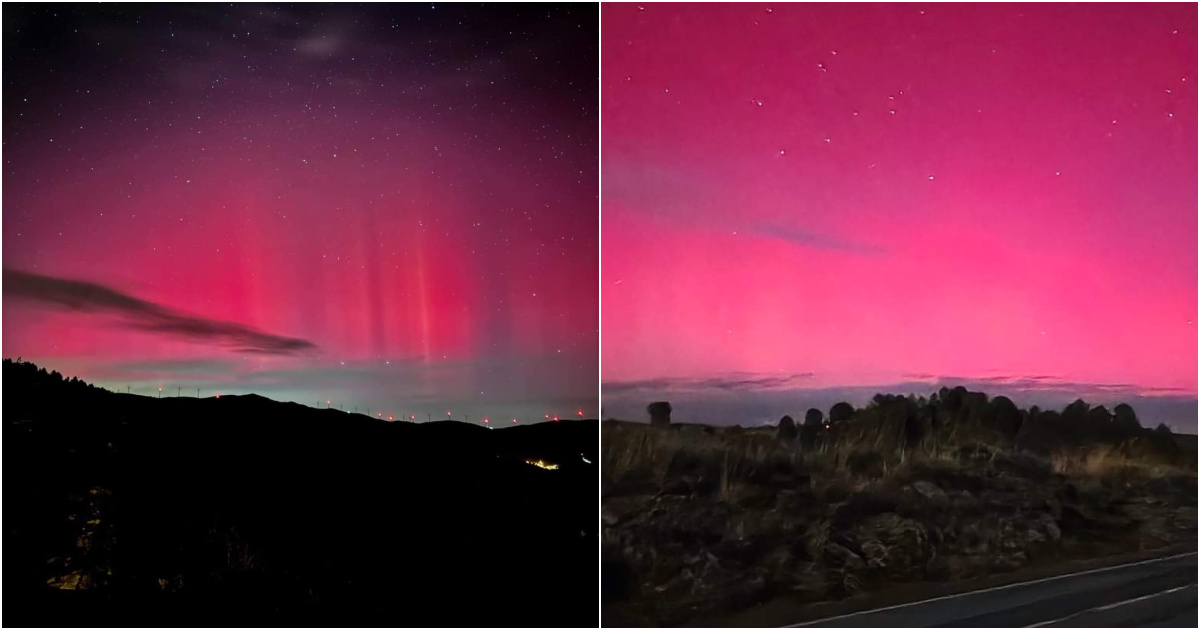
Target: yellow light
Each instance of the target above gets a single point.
(542, 464)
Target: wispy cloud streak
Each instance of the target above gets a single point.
(817, 240)
(90, 297)
(732, 382)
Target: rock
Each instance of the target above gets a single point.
(680, 583)
(929, 490)
(977, 453)
(839, 556)
(899, 545)
(875, 553)
(1050, 527)
(1008, 537)
(1010, 562)
(779, 562)
(1023, 466)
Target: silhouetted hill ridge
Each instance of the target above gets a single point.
(245, 510)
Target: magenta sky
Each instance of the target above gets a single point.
(389, 206)
(861, 195)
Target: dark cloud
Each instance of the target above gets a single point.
(678, 193)
(817, 240)
(734, 381)
(90, 297)
(1048, 384)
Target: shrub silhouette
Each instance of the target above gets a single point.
(660, 413)
(787, 428)
(1005, 417)
(1099, 416)
(813, 418)
(841, 412)
(1125, 421)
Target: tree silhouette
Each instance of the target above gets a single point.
(787, 428)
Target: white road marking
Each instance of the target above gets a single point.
(1111, 606)
(993, 588)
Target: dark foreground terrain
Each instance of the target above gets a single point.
(128, 510)
(891, 503)
(1155, 592)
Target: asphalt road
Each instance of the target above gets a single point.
(1151, 593)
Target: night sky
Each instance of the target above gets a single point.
(807, 203)
(389, 207)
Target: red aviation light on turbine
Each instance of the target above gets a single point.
(391, 417)
(514, 420)
(579, 413)
(556, 418)
(412, 416)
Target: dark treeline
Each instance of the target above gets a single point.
(964, 413)
(958, 415)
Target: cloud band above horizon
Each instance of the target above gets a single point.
(91, 297)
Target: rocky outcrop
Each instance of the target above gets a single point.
(734, 519)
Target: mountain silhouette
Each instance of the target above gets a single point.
(240, 510)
